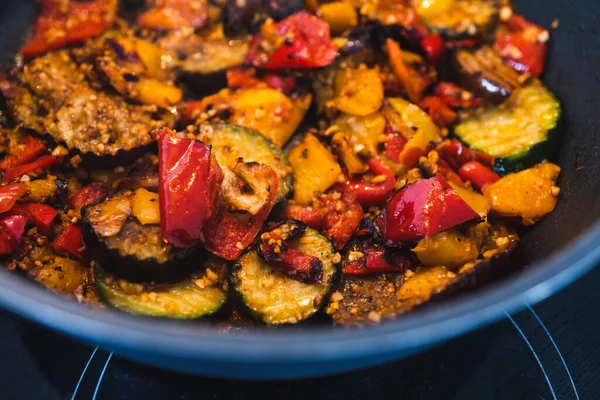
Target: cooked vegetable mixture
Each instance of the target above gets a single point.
(269, 161)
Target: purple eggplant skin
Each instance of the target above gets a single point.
(484, 73)
(180, 263)
(243, 17)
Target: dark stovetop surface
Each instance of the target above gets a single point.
(521, 357)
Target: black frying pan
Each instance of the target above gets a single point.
(558, 250)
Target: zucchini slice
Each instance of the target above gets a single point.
(194, 297)
(459, 18)
(519, 133)
(123, 246)
(277, 299)
(231, 142)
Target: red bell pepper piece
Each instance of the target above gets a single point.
(40, 163)
(86, 195)
(394, 144)
(299, 41)
(277, 81)
(11, 231)
(368, 193)
(9, 195)
(228, 232)
(64, 22)
(310, 215)
(40, 215)
(68, 242)
(28, 150)
(454, 96)
(434, 48)
(449, 173)
(377, 259)
(273, 246)
(188, 178)
(299, 266)
(478, 174)
(167, 15)
(456, 154)
(442, 115)
(524, 46)
(192, 110)
(423, 208)
(241, 78)
(336, 218)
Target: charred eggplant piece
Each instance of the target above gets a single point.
(143, 174)
(368, 300)
(243, 17)
(485, 74)
(51, 96)
(203, 60)
(123, 246)
(197, 296)
(275, 298)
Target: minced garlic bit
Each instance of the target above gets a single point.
(379, 179)
(554, 23)
(332, 308)
(337, 258)
(337, 296)
(374, 316)
(555, 191)
(239, 245)
(502, 241)
(544, 36)
(505, 13)
(354, 255)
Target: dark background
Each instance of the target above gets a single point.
(495, 362)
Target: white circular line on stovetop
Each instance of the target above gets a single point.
(534, 353)
(101, 376)
(562, 359)
(83, 373)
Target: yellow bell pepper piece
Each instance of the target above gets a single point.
(145, 207)
(359, 91)
(450, 249)
(315, 169)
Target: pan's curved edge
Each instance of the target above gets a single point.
(283, 354)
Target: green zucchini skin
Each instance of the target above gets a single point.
(532, 111)
(275, 299)
(182, 300)
(483, 13)
(230, 142)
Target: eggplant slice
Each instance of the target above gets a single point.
(368, 300)
(485, 74)
(52, 96)
(203, 61)
(126, 248)
(247, 16)
(197, 296)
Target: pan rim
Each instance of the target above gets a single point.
(119, 331)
